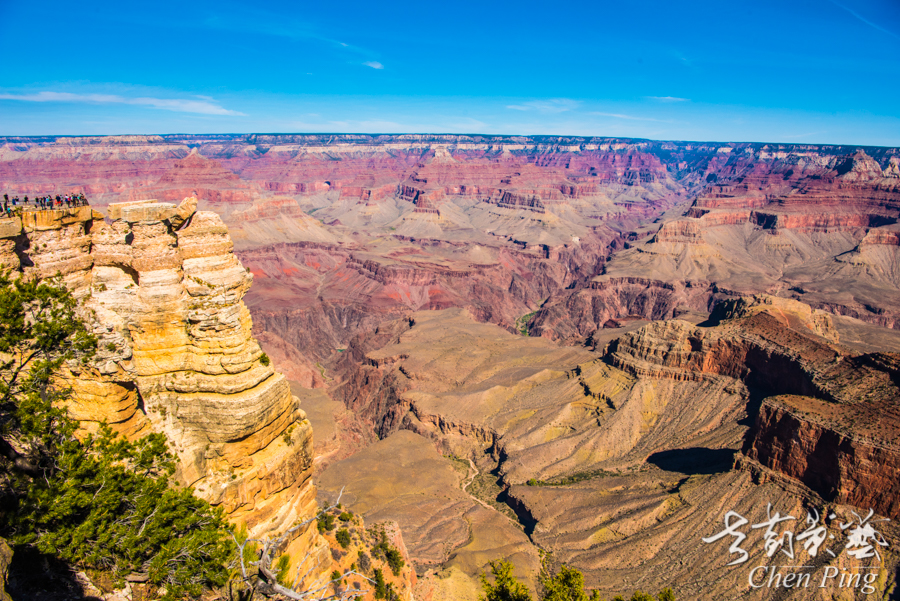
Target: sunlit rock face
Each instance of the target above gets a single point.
(620, 458)
(347, 231)
(162, 289)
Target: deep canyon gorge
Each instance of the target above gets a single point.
(503, 346)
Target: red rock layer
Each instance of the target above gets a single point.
(318, 296)
(269, 208)
(197, 176)
(576, 315)
(834, 423)
(679, 231)
(95, 166)
(813, 442)
(822, 193)
(367, 172)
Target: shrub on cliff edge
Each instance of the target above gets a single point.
(392, 555)
(566, 584)
(101, 502)
(505, 586)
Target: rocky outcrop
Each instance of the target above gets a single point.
(834, 417)
(878, 236)
(682, 231)
(59, 242)
(162, 290)
(510, 200)
(779, 345)
(6, 554)
(577, 314)
(849, 455)
(823, 222)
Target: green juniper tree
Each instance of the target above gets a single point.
(566, 584)
(100, 502)
(505, 586)
(392, 555)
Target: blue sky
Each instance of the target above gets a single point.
(776, 71)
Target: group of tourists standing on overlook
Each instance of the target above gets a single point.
(44, 202)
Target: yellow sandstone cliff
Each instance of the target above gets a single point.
(163, 291)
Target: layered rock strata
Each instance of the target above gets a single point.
(317, 297)
(764, 218)
(849, 455)
(834, 420)
(818, 228)
(620, 460)
(163, 291)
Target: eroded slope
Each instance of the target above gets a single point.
(620, 460)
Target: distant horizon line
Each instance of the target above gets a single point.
(473, 136)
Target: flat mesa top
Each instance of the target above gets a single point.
(141, 210)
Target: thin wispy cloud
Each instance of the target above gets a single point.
(668, 99)
(864, 20)
(271, 24)
(202, 105)
(683, 59)
(628, 117)
(552, 105)
(374, 64)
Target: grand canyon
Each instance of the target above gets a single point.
(581, 351)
